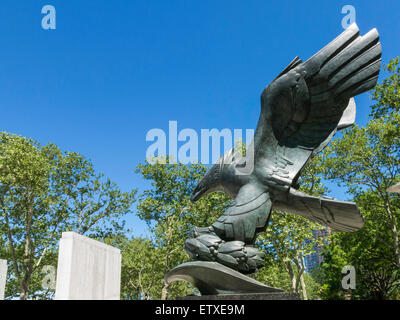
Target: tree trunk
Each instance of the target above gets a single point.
(164, 291)
(395, 232)
(24, 292)
(292, 278)
(301, 268)
(14, 259)
(303, 287)
(28, 254)
(299, 274)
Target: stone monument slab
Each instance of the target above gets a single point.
(87, 269)
(3, 277)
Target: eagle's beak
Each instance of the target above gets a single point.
(198, 192)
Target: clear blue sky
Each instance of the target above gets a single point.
(112, 70)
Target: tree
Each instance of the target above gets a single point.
(140, 267)
(44, 192)
(273, 273)
(169, 213)
(289, 238)
(366, 161)
(94, 204)
(377, 275)
(329, 273)
(387, 94)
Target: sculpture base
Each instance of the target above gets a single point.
(245, 296)
(212, 278)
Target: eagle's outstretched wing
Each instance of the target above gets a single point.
(309, 101)
(339, 215)
(301, 110)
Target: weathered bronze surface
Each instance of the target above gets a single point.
(301, 110)
(213, 278)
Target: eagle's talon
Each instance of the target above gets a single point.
(199, 231)
(233, 254)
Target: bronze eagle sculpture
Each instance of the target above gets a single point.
(301, 110)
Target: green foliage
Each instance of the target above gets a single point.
(367, 161)
(387, 94)
(44, 192)
(369, 250)
(312, 287)
(274, 275)
(289, 238)
(329, 273)
(140, 265)
(169, 213)
(366, 158)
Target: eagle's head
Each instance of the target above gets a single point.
(209, 183)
